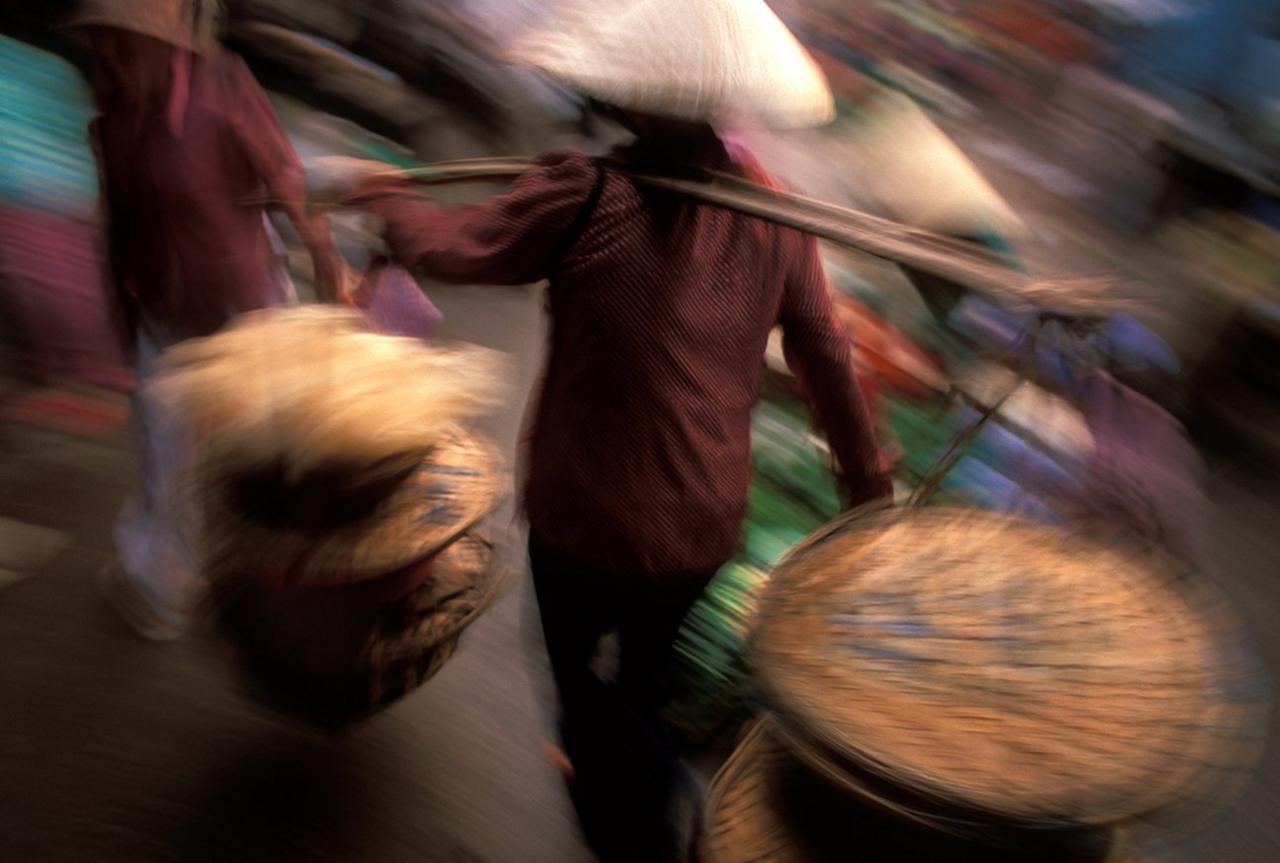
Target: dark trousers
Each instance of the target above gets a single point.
(627, 774)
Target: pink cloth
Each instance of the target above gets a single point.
(395, 304)
(51, 272)
(1145, 474)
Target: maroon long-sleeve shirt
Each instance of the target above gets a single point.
(661, 309)
(187, 251)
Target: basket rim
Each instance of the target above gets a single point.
(818, 739)
(763, 747)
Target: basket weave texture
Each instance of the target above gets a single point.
(454, 487)
(333, 656)
(1002, 667)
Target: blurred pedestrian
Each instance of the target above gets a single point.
(184, 138)
(661, 308)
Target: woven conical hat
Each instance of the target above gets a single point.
(921, 177)
(731, 61)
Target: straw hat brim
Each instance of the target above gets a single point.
(732, 62)
(1002, 666)
(459, 483)
(672, 100)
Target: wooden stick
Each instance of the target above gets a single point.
(959, 261)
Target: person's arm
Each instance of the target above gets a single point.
(269, 149)
(290, 187)
(510, 239)
(819, 352)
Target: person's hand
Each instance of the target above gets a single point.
(333, 178)
(350, 285)
(335, 280)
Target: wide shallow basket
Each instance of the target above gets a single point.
(765, 806)
(994, 668)
(332, 656)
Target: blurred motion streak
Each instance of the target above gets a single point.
(1044, 323)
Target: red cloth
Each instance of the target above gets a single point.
(661, 310)
(185, 247)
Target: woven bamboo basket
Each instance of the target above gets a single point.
(333, 656)
(766, 806)
(415, 637)
(1002, 670)
(410, 514)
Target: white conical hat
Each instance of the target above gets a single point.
(731, 61)
(922, 178)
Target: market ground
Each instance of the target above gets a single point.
(115, 749)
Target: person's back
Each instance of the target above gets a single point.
(661, 313)
(661, 309)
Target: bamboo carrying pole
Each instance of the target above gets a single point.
(959, 261)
